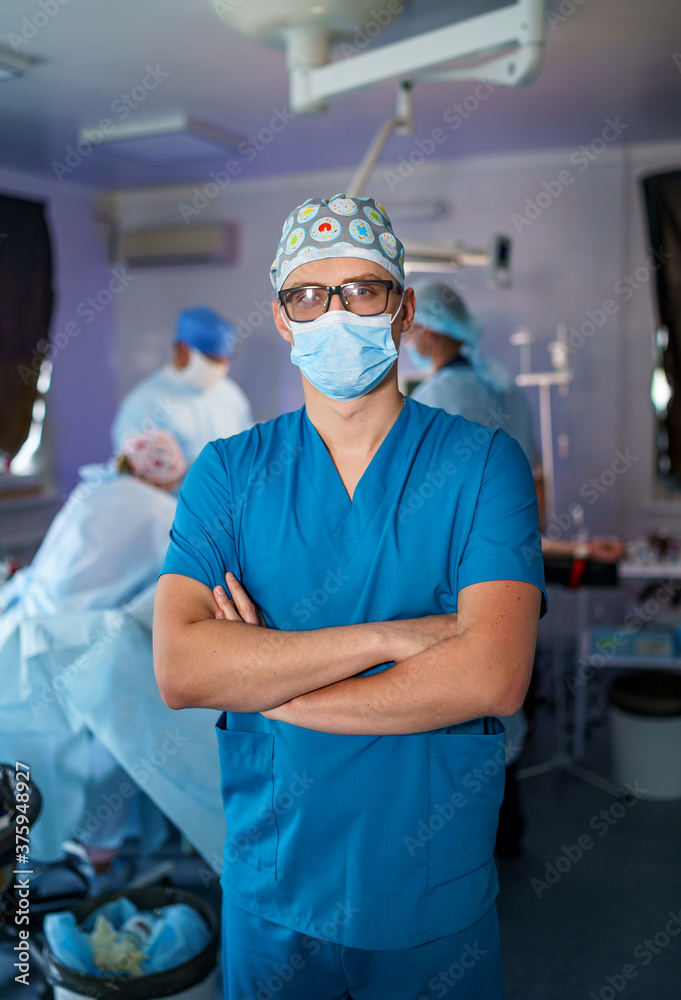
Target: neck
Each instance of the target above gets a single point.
(357, 427)
(444, 352)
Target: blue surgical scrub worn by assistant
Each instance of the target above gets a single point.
(395, 832)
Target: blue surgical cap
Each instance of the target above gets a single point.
(440, 309)
(206, 331)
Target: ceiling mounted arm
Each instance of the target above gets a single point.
(506, 46)
(402, 122)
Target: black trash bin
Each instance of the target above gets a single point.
(193, 980)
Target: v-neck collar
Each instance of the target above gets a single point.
(348, 520)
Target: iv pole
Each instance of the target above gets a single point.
(561, 375)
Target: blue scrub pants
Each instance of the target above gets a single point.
(265, 961)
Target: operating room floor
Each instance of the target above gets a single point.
(573, 938)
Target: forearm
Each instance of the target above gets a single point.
(446, 684)
(237, 667)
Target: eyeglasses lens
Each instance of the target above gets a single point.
(365, 298)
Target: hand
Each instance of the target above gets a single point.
(413, 635)
(607, 550)
(241, 608)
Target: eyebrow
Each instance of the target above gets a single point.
(348, 281)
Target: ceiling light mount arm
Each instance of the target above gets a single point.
(402, 122)
(517, 30)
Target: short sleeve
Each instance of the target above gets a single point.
(504, 542)
(202, 536)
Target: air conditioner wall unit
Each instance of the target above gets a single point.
(184, 246)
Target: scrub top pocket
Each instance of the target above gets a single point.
(467, 775)
(248, 795)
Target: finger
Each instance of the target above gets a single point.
(225, 606)
(244, 605)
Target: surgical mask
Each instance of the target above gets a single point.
(200, 372)
(342, 354)
(418, 360)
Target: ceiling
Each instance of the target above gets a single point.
(607, 58)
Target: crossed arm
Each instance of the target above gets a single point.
(213, 652)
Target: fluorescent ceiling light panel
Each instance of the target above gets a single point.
(167, 139)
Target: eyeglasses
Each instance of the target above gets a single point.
(365, 298)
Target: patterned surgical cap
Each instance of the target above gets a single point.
(337, 227)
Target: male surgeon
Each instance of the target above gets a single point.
(192, 396)
(355, 587)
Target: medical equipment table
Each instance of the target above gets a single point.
(643, 568)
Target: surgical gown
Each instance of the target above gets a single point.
(399, 830)
(103, 548)
(195, 417)
(459, 390)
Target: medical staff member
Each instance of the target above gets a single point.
(443, 343)
(381, 614)
(104, 547)
(193, 396)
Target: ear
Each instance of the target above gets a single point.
(281, 320)
(181, 356)
(407, 311)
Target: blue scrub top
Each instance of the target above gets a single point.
(375, 842)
